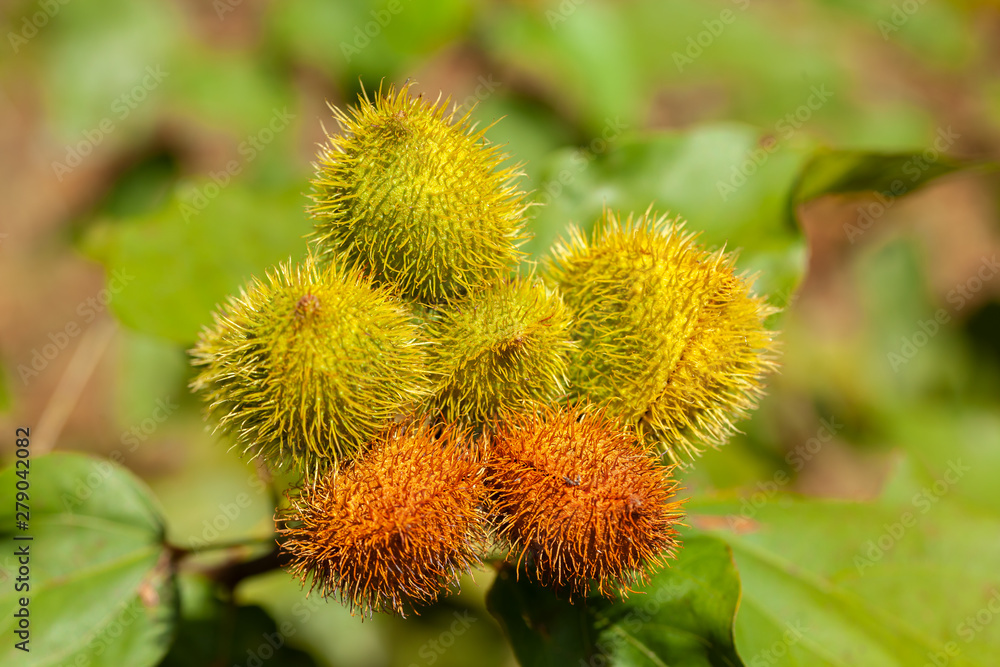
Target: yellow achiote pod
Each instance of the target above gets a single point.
(415, 195)
(671, 338)
(501, 349)
(307, 365)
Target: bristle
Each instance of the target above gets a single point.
(502, 349)
(417, 198)
(307, 365)
(578, 497)
(395, 529)
(670, 337)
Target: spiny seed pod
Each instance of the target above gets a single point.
(394, 529)
(308, 364)
(670, 338)
(578, 496)
(503, 347)
(416, 196)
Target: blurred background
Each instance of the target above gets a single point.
(156, 154)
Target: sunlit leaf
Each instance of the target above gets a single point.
(887, 584)
(101, 583)
(175, 265)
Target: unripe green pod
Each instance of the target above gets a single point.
(670, 337)
(503, 347)
(308, 364)
(417, 197)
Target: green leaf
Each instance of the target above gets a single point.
(972, 435)
(327, 627)
(717, 177)
(893, 174)
(212, 632)
(176, 265)
(410, 29)
(736, 185)
(887, 584)
(101, 583)
(103, 66)
(236, 92)
(151, 381)
(314, 31)
(683, 617)
(542, 629)
(591, 59)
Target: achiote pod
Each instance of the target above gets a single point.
(671, 339)
(394, 529)
(503, 348)
(307, 365)
(579, 498)
(415, 195)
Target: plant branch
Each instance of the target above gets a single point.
(229, 574)
(236, 566)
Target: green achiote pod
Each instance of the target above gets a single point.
(417, 197)
(671, 339)
(501, 348)
(308, 364)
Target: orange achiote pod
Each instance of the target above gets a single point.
(581, 500)
(395, 528)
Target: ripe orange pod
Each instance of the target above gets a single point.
(394, 529)
(581, 500)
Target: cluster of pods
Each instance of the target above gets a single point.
(443, 400)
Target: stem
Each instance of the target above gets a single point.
(231, 573)
(222, 546)
(236, 567)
